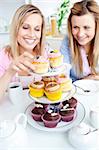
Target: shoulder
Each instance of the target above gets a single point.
(2, 53)
(4, 56)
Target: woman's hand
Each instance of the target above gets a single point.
(93, 77)
(23, 63)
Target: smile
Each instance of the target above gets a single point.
(29, 41)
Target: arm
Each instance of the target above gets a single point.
(21, 63)
(4, 81)
(92, 77)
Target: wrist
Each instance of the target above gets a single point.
(10, 73)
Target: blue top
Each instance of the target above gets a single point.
(65, 50)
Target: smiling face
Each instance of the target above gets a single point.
(29, 33)
(83, 28)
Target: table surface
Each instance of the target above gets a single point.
(37, 139)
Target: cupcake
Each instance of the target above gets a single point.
(65, 83)
(65, 103)
(51, 119)
(41, 64)
(37, 112)
(72, 102)
(67, 113)
(48, 79)
(55, 58)
(53, 91)
(36, 89)
(45, 106)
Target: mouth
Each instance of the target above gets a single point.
(81, 39)
(30, 41)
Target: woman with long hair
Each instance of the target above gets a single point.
(81, 46)
(26, 41)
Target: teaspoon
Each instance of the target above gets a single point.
(82, 88)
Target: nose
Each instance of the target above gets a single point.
(80, 33)
(32, 33)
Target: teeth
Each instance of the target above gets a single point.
(81, 39)
(29, 41)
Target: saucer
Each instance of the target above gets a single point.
(86, 87)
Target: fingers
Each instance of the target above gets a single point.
(28, 65)
(23, 63)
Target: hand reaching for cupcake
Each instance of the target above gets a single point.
(22, 64)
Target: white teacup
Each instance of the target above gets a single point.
(15, 92)
(94, 117)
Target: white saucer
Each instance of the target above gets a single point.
(92, 86)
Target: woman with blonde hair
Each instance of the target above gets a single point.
(26, 41)
(81, 47)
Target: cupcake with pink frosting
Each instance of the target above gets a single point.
(41, 64)
(65, 82)
(55, 58)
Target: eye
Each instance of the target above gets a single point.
(86, 27)
(75, 27)
(25, 27)
(37, 29)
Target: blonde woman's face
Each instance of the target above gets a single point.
(83, 28)
(30, 33)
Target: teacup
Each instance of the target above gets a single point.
(15, 92)
(94, 117)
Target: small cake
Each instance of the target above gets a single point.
(66, 83)
(45, 106)
(55, 58)
(67, 113)
(48, 79)
(65, 103)
(36, 89)
(41, 64)
(53, 91)
(51, 119)
(37, 112)
(72, 102)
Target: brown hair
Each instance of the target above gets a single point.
(79, 9)
(17, 21)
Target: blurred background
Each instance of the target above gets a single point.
(55, 11)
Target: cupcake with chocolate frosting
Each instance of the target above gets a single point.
(37, 112)
(51, 119)
(67, 113)
(72, 102)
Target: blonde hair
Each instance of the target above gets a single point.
(79, 9)
(17, 21)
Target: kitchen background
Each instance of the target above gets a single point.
(50, 9)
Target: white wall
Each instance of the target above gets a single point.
(48, 7)
(7, 9)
